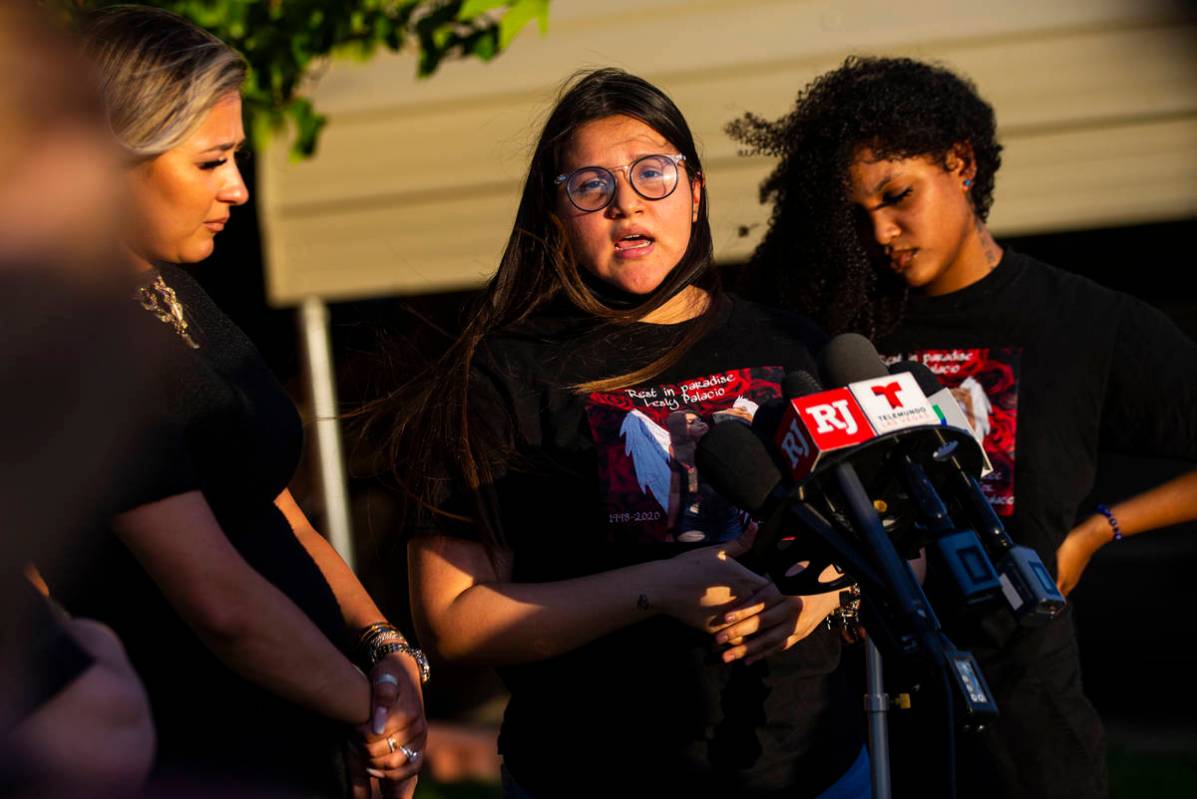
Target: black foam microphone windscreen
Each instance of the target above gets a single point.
(799, 384)
(927, 380)
(734, 461)
(850, 358)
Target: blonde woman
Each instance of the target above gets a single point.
(240, 618)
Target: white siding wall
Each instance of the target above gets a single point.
(415, 184)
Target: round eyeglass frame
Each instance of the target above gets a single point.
(676, 159)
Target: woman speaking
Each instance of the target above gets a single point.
(574, 544)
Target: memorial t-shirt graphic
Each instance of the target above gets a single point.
(985, 383)
(646, 438)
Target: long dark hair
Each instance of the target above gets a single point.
(812, 257)
(431, 433)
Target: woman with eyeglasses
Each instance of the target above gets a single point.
(574, 545)
(241, 620)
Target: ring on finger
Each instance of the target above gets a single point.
(412, 755)
(392, 745)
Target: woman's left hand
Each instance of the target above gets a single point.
(397, 724)
(770, 621)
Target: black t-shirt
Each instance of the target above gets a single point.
(607, 479)
(1052, 367)
(224, 426)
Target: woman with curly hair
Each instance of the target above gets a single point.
(880, 198)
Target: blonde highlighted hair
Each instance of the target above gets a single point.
(159, 75)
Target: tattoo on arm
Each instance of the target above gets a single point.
(642, 602)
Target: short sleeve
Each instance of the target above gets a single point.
(1151, 396)
(163, 467)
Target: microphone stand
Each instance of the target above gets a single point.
(917, 613)
(877, 706)
(892, 597)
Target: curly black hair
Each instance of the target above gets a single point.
(812, 257)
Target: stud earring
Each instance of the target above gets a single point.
(968, 183)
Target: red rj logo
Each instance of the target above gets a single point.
(832, 416)
(794, 445)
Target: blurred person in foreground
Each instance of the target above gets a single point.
(241, 619)
(880, 199)
(74, 717)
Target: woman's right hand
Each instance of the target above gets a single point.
(397, 725)
(701, 584)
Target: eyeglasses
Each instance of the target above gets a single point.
(592, 188)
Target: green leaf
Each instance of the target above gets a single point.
(485, 45)
(441, 38)
(542, 18)
(518, 16)
(472, 9)
(394, 37)
(308, 125)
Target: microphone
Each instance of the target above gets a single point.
(799, 384)
(894, 402)
(733, 460)
(852, 359)
(794, 542)
(1026, 583)
(815, 424)
(943, 401)
(889, 401)
(737, 464)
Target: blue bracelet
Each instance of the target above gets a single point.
(1109, 514)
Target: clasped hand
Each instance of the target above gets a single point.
(396, 724)
(769, 622)
(743, 610)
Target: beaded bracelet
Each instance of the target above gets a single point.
(1109, 514)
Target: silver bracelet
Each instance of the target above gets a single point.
(415, 654)
(375, 636)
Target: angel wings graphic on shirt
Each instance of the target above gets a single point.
(649, 446)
